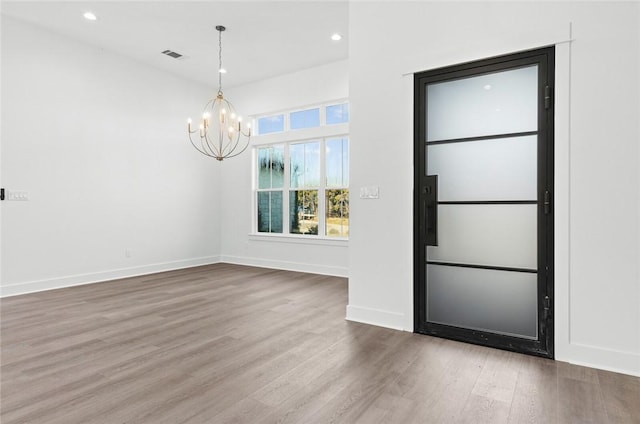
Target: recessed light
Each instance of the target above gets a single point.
(336, 37)
(90, 16)
(222, 71)
(487, 87)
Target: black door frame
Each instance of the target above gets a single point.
(423, 222)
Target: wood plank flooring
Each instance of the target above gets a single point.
(232, 344)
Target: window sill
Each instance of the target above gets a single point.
(299, 239)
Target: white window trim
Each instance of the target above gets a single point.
(306, 134)
(287, 120)
(286, 189)
(287, 137)
(299, 239)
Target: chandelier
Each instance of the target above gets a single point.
(221, 132)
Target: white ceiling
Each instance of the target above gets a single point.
(263, 38)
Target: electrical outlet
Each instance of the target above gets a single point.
(127, 252)
(18, 195)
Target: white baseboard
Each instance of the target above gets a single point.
(377, 317)
(287, 266)
(601, 358)
(96, 277)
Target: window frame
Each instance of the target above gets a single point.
(287, 138)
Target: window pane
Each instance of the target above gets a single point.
(296, 159)
(305, 164)
(271, 167)
(277, 166)
(467, 297)
(337, 114)
(496, 103)
(270, 211)
(264, 171)
(498, 235)
(276, 212)
(309, 118)
(337, 160)
(271, 124)
(264, 212)
(303, 212)
(493, 169)
(337, 213)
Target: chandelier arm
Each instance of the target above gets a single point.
(207, 145)
(227, 149)
(231, 144)
(235, 144)
(211, 147)
(227, 145)
(196, 147)
(231, 151)
(236, 154)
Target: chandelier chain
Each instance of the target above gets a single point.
(219, 61)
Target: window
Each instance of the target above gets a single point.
(337, 114)
(337, 193)
(271, 124)
(309, 118)
(302, 186)
(326, 115)
(270, 184)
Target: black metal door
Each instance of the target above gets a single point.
(483, 218)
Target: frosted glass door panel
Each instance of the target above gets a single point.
(501, 302)
(497, 103)
(495, 235)
(497, 169)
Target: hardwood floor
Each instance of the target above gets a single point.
(226, 343)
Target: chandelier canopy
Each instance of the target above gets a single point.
(221, 133)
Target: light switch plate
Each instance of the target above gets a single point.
(370, 192)
(17, 195)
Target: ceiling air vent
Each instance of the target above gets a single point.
(172, 54)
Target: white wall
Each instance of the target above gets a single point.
(597, 186)
(308, 87)
(99, 143)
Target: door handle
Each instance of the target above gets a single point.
(430, 191)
